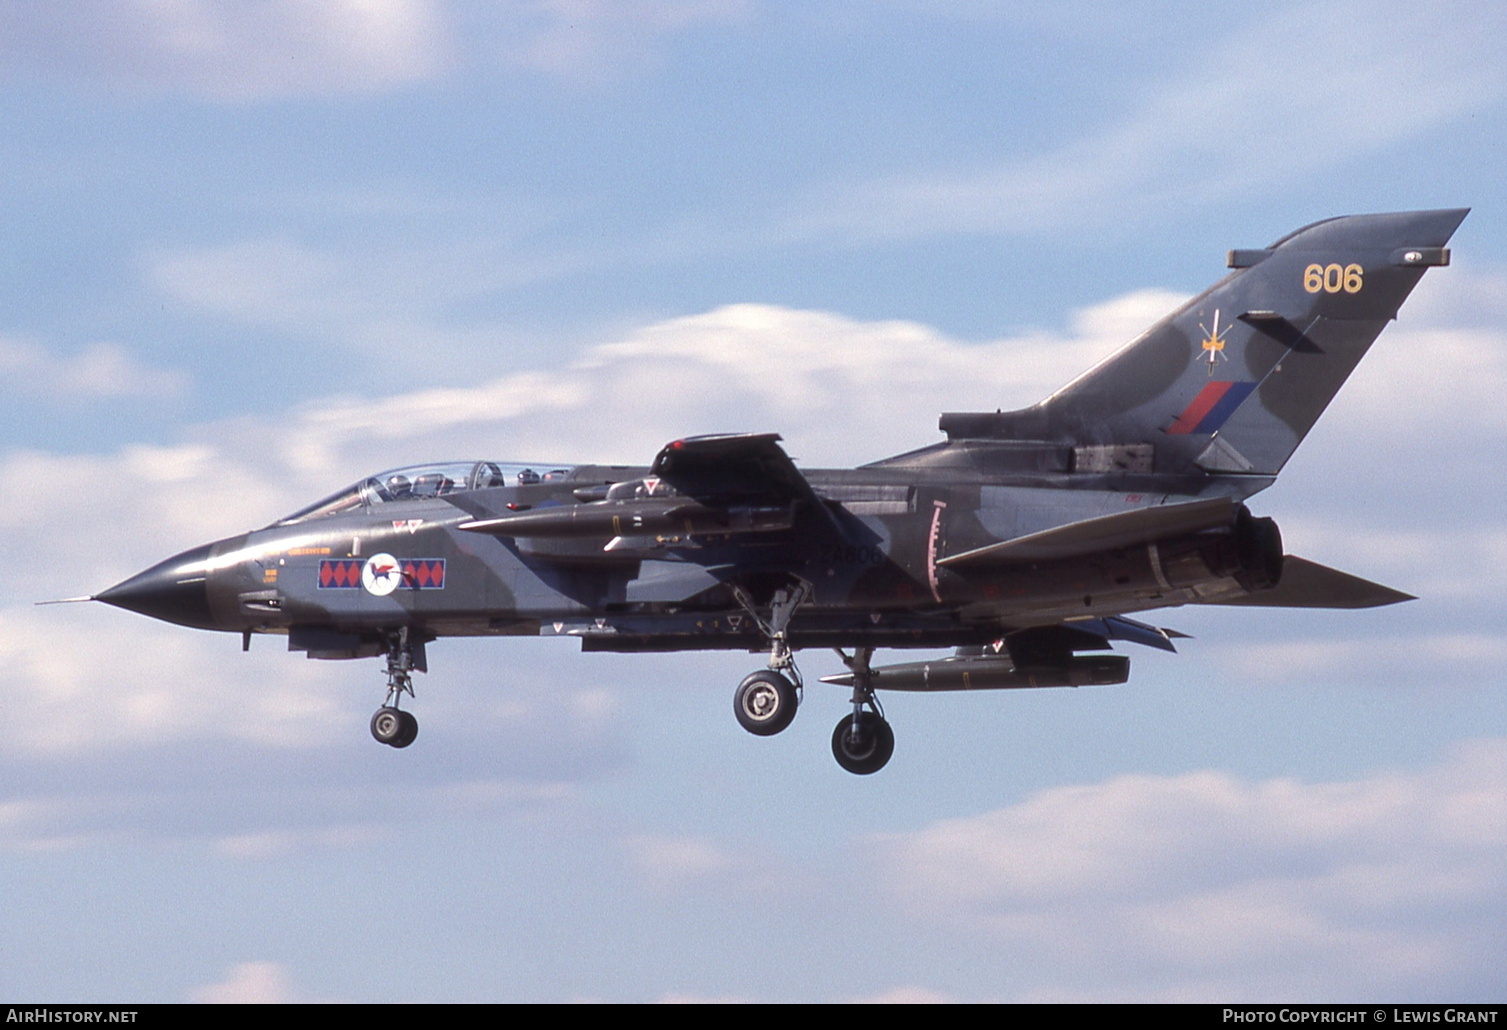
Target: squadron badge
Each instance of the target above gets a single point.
(1213, 343)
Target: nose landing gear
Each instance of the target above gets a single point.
(391, 725)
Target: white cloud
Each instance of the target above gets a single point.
(1470, 293)
(907, 996)
(1452, 562)
(1414, 374)
(1435, 658)
(255, 805)
(238, 51)
(252, 983)
(86, 680)
(98, 371)
(677, 860)
(704, 999)
(1231, 888)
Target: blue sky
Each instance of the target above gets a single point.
(257, 250)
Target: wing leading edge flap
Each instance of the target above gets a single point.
(1122, 529)
(1306, 584)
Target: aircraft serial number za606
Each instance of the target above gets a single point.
(850, 555)
(1333, 278)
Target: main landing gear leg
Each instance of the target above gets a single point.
(766, 701)
(862, 742)
(391, 725)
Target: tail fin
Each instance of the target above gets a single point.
(1231, 382)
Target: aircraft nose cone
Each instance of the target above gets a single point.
(176, 590)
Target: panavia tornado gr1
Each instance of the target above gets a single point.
(1024, 540)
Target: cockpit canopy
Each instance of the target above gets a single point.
(421, 482)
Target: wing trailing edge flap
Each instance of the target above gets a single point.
(1104, 533)
(1307, 584)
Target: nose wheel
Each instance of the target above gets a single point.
(394, 727)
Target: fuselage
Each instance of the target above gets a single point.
(337, 575)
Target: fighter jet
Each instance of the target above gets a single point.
(1024, 540)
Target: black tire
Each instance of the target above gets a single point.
(388, 725)
(865, 748)
(765, 703)
(410, 730)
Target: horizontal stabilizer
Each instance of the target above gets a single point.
(1307, 584)
(1107, 532)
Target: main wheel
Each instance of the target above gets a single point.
(394, 727)
(865, 746)
(764, 703)
(410, 730)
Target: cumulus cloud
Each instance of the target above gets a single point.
(96, 682)
(98, 371)
(252, 983)
(1324, 654)
(258, 756)
(704, 999)
(910, 995)
(1205, 884)
(677, 860)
